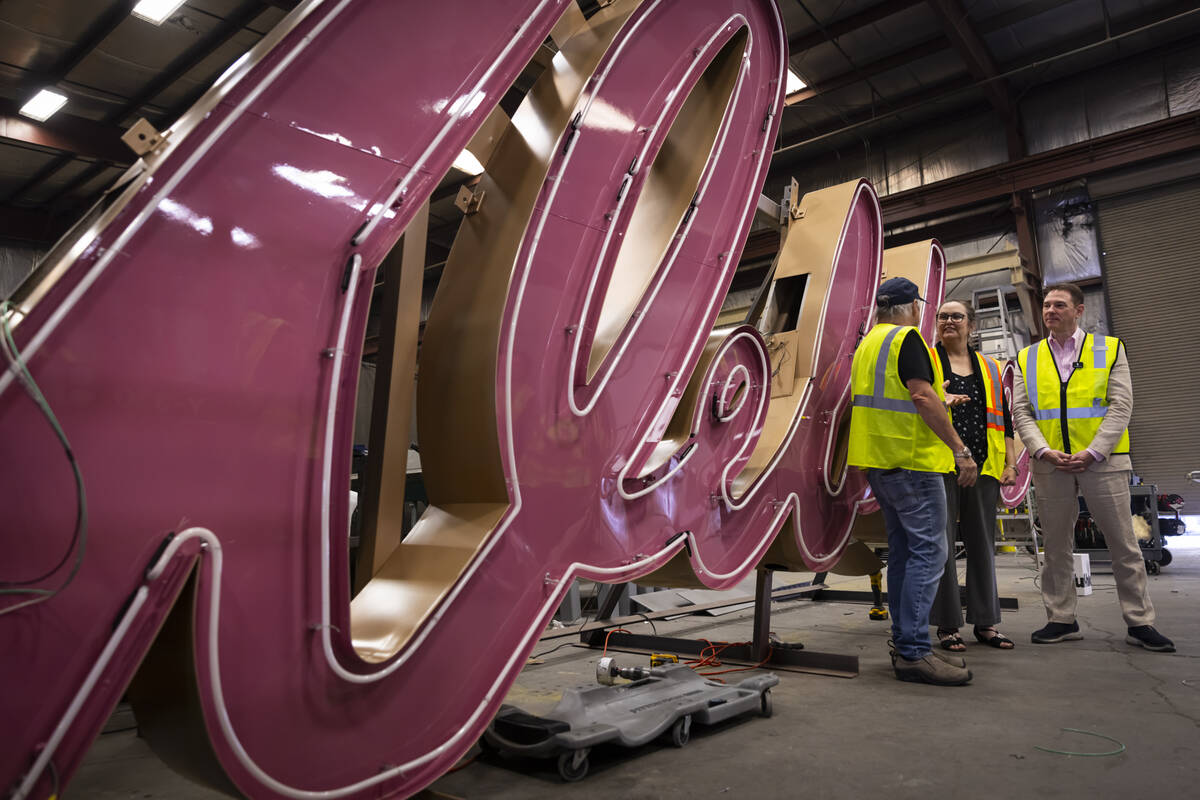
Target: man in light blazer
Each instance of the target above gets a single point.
(1072, 401)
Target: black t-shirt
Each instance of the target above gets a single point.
(913, 361)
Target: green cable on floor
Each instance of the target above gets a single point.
(1120, 749)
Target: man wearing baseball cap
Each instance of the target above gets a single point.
(902, 436)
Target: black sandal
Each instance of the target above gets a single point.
(950, 640)
(997, 639)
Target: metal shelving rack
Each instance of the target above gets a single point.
(1143, 501)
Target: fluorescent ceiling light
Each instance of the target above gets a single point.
(43, 105)
(155, 11)
(794, 83)
(468, 163)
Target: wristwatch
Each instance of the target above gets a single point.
(964, 453)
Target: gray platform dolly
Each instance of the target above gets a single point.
(660, 699)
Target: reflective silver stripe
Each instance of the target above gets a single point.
(881, 362)
(1031, 384)
(885, 403)
(1099, 351)
(1087, 412)
(1100, 360)
(995, 419)
(877, 399)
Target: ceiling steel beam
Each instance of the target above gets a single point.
(99, 30)
(204, 47)
(79, 181)
(1013, 16)
(1143, 143)
(102, 140)
(37, 227)
(1125, 148)
(932, 45)
(51, 168)
(869, 16)
(869, 70)
(974, 53)
(990, 220)
(944, 91)
(878, 111)
(83, 137)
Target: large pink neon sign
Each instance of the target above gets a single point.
(579, 414)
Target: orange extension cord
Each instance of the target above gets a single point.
(709, 656)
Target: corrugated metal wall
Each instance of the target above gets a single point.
(16, 262)
(1113, 98)
(1150, 245)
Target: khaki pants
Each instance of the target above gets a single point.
(1107, 497)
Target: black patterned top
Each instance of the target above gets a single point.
(970, 419)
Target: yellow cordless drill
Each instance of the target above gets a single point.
(877, 610)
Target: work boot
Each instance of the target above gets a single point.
(1145, 636)
(949, 658)
(952, 660)
(930, 669)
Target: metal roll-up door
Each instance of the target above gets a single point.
(1150, 245)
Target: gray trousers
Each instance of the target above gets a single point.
(1107, 497)
(970, 513)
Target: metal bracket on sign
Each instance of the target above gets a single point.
(469, 200)
(792, 200)
(142, 137)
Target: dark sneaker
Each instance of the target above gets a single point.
(1145, 636)
(931, 669)
(1057, 632)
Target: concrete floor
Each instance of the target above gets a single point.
(836, 737)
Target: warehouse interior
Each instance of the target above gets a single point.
(1039, 142)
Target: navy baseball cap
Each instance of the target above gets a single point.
(897, 292)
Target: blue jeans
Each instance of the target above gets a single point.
(914, 512)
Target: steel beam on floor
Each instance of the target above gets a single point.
(851, 596)
(760, 652)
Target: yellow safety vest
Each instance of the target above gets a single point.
(886, 431)
(1069, 413)
(993, 398)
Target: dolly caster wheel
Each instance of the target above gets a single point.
(1153, 567)
(681, 731)
(573, 765)
(765, 708)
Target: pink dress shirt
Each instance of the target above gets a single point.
(1065, 355)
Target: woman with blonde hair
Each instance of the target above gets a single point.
(984, 424)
